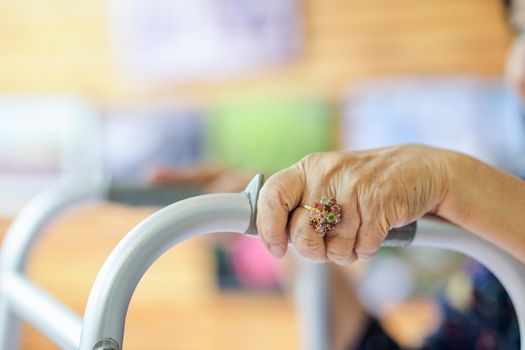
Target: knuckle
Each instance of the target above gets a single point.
(366, 256)
(364, 246)
(350, 226)
(329, 162)
(309, 244)
(310, 247)
(367, 248)
(269, 192)
(312, 157)
(340, 246)
(271, 236)
(272, 197)
(366, 252)
(340, 251)
(372, 238)
(370, 193)
(341, 260)
(309, 162)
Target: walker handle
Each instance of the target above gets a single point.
(103, 322)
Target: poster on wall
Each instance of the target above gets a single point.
(174, 40)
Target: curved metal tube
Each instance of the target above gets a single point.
(30, 223)
(110, 296)
(21, 237)
(108, 302)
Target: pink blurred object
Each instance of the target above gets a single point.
(253, 265)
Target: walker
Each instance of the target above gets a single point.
(102, 326)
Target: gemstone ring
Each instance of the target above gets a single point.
(324, 215)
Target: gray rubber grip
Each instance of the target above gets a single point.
(400, 236)
(144, 195)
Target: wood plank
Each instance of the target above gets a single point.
(61, 45)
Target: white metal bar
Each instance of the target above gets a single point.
(312, 304)
(24, 232)
(110, 296)
(45, 313)
(31, 221)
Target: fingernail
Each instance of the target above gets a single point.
(276, 250)
(341, 261)
(366, 257)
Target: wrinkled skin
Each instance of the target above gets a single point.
(377, 190)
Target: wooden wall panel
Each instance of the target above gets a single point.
(63, 45)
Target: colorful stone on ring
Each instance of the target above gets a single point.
(324, 215)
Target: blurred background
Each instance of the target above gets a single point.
(145, 89)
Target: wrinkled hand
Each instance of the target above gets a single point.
(377, 190)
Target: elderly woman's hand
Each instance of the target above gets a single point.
(377, 190)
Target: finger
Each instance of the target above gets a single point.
(372, 231)
(306, 241)
(341, 240)
(374, 226)
(278, 197)
(369, 239)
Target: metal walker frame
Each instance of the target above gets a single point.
(102, 326)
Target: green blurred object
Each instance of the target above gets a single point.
(268, 132)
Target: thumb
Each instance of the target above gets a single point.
(278, 197)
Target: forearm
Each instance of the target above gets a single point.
(486, 201)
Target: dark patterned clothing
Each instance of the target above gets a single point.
(489, 323)
(375, 338)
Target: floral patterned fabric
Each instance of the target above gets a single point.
(488, 323)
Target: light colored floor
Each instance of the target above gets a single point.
(176, 305)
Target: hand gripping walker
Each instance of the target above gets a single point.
(102, 326)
